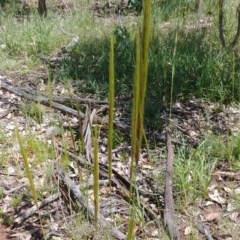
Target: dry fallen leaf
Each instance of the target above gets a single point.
(216, 197)
(187, 230)
(147, 166)
(208, 203)
(237, 190)
(234, 216)
(212, 187)
(227, 189)
(211, 216)
(230, 207)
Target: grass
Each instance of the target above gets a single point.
(194, 65)
(202, 68)
(193, 173)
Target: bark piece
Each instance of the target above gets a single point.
(42, 8)
(170, 220)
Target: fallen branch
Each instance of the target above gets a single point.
(229, 175)
(117, 179)
(83, 201)
(17, 188)
(65, 99)
(204, 230)
(29, 212)
(170, 220)
(60, 107)
(41, 100)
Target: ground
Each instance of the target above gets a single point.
(206, 139)
(192, 119)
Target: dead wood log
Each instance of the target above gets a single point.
(170, 220)
(41, 100)
(60, 107)
(77, 100)
(83, 201)
(65, 99)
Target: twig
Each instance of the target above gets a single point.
(9, 174)
(29, 212)
(14, 189)
(170, 220)
(204, 230)
(230, 175)
(65, 99)
(83, 201)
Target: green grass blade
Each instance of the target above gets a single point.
(111, 108)
(135, 119)
(131, 225)
(96, 177)
(29, 173)
(27, 168)
(144, 71)
(173, 74)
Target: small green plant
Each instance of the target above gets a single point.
(33, 110)
(16, 200)
(1, 192)
(28, 172)
(225, 148)
(193, 173)
(2, 137)
(8, 220)
(117, 138)
(96, 178)
(37, 150)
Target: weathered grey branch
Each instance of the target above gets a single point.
(41, 100)
(60, 107)
(83, 201)
(29, 212)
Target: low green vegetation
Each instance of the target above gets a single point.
(202, 67)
